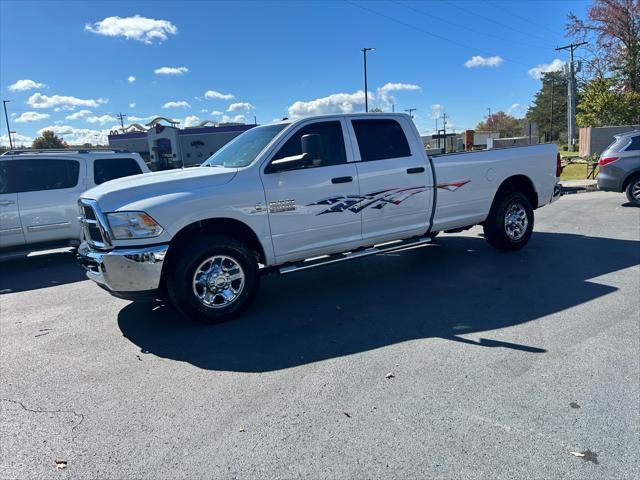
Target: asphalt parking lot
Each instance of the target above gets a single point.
(501, 366)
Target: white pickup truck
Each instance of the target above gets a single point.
(299, 194)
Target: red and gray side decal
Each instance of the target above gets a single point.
(452, 186)
(377, 200)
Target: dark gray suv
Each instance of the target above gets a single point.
(619, 166)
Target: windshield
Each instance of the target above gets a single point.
(243, 149)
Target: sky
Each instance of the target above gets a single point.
(73, 66)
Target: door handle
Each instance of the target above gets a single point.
(342, 180)
(415, 170)
(4, 203)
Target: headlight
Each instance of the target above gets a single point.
(125, 225)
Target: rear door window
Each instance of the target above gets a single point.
(105, 169)
(33, 175)
(380, 139)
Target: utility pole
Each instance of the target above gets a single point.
(437, 133)
(444, 130)
(410, 111)
(366, 91)
(553, 84)
(4, 104)
(489, 122)
(120, 117)
(571, 95)
(255, 120)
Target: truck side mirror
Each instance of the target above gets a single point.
(312, 146)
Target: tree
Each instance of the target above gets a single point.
(375, 109)
(503, 123)
(49, 140)
(540, 111)
(613, 26)
(601, 104)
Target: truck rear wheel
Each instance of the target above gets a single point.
(213, 279)
(510, 222)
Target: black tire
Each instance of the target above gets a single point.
(500, 233)
(181, 276)
(633, 191)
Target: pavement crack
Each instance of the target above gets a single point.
(32, 410)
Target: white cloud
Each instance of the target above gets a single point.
(31, 117)
(171, 70)
(384, 91)
(18, 140)
(64, 108)
(142, 29)
(191, 121)
(537, 71)
(131, 79)
(21, 85)
(79, 114)
(58, 122)
(336, 103)
(78, 136)
(132, 105)
(240, 106)
(101, 119)
(216, 113)
(436, 110)
(516, 109)
(180, 103)
(133, 118)
(37, 100)
(218, 95)
(479, 61)
(236, 119)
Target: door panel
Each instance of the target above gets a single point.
(48, 200)
(10, 227)
(11, 233)
(394, 180)
(309, 206)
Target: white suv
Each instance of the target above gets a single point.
(39, 190)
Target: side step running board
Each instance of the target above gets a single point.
(343, 257)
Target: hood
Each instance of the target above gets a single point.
(118, 193)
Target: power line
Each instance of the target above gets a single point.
(480, 32)
(539, 25)
(431, 34)
(489, 19)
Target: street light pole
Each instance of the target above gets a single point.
(366, 91)
(4, 104)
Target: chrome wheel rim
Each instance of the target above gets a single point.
(218, 281)
(635, 190)
(516, 221)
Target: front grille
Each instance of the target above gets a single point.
(93, 224)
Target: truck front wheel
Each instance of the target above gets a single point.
(510, 222)
(213, 278)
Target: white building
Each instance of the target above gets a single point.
(167, 146)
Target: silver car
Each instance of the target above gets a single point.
(619, 166)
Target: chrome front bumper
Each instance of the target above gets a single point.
(124, 272)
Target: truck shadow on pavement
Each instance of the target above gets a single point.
(40, 271)
(457, 287)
